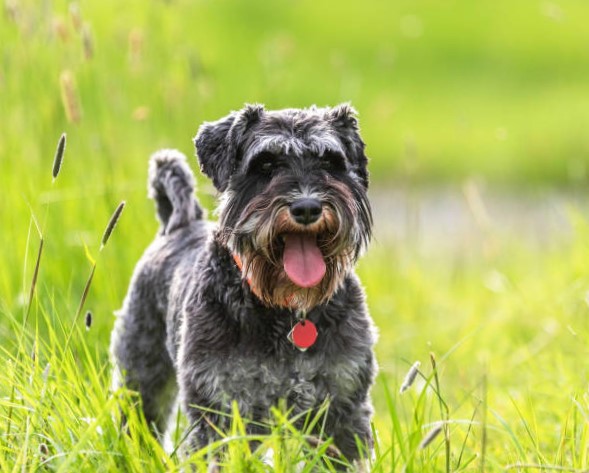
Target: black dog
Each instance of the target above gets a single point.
(263, 306)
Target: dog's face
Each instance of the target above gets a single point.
(294, 208)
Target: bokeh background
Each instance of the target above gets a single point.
(476, 120)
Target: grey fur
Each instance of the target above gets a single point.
(171, 186)
(190, 323)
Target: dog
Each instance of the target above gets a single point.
(264, 305)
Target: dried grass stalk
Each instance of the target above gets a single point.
(75, 15)
(69, 97)
(135, 47)
(87, 42)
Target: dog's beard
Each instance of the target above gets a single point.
(266, 228)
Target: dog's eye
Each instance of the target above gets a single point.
(332, 161)
(266, 166)
(263, 163)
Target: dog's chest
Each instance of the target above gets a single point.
(240, 351)
(304, 380)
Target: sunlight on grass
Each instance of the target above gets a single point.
(500, 384)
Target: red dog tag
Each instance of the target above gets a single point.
(303, 334)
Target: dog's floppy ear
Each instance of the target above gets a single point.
(217, 143)
(343, 119)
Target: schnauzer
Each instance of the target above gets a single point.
(263, 306)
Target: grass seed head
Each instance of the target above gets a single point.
(69, 97)
(431, 435)
(59, 155)
(136, 43)
(43, 449)
(11, 10)
(88, 320)
(60, 30)
(112, 223)
(87, 42)
(45, 374)
(410, 377)
(75, 15)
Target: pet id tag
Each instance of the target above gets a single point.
(303, 334)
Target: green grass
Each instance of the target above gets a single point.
(445, 90)
(507, 329)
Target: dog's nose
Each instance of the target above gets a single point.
(306, 211)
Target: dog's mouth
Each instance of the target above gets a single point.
(302, 259)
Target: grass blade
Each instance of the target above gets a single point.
(80, 307)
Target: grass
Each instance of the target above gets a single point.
(501, 339)
(446, 90)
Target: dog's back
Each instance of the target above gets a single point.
(144, 339)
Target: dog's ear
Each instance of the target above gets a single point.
(343, 118)
(217, 143)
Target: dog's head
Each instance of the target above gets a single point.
(294, 208)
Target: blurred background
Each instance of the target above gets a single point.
(445, 89)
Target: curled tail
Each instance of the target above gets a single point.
(171, 186)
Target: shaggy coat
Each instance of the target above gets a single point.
(210, 307)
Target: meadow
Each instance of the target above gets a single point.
(494, 93)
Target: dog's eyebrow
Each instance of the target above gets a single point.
(291, 145)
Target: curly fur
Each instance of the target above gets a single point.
(192, 324)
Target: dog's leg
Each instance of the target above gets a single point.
(352, 434)
(138, 348)
(203, 423)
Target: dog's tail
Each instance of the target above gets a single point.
(171, 186)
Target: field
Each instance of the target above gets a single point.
(494, 95)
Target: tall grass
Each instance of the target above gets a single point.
(503, 394)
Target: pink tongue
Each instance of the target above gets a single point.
(302, 259)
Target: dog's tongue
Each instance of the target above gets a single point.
(302, 259)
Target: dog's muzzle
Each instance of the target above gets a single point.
(306, 211)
